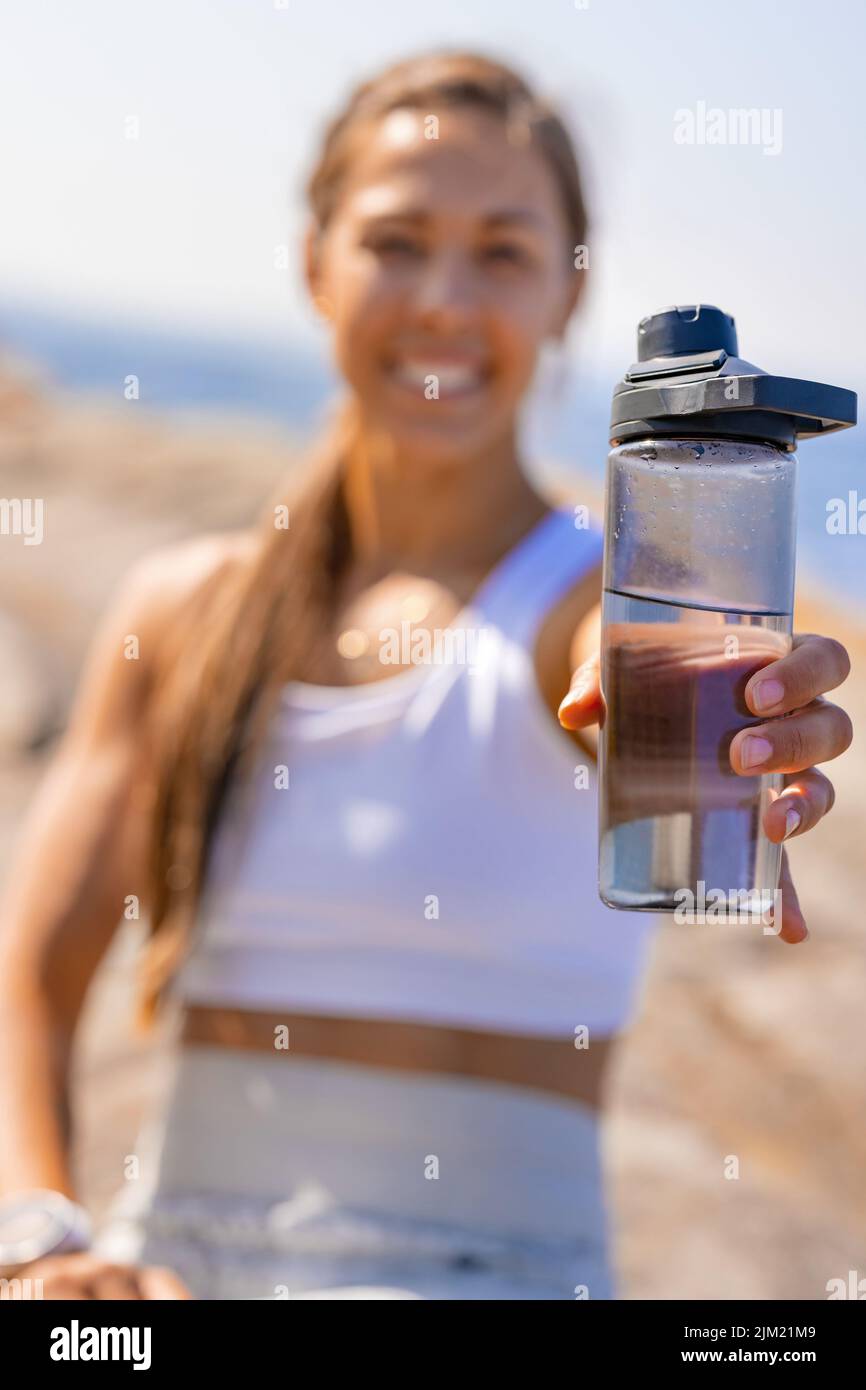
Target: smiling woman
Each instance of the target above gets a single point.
(371, 885)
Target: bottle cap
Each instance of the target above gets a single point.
(690, 381)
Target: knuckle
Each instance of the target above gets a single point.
(821, 664)
(830, 792)
(840, 657)
(827, 662)
(793, 742)
(813, 671)
(846, 730)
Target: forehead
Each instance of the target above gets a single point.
(464, 162)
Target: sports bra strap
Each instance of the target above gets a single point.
(550, 560)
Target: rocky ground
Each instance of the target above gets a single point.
(745, 1048)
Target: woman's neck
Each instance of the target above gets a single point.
(457, 515)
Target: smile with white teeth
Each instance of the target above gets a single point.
(448, 378)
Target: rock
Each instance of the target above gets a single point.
(28, 700)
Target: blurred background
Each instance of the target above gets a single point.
(152, 161)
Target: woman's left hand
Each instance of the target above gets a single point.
(801, 729)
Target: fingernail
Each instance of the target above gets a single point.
(767, 694)
(792, 820)
(755, 750)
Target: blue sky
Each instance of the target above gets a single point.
(180, 225)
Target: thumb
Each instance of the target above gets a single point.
(583, 704)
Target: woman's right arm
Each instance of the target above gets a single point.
(81, 854)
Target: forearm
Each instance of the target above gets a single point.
(34, 1093)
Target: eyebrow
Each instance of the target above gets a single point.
(506, 216)
(525, 215)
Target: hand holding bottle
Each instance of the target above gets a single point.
(796, 729)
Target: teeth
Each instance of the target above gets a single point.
(450, 377)
(453, 378)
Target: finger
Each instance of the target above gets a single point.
(794, 742)
(799, 806)
(794, 929)
(813, 666)
(117, 1281)
(74, 1262)
(68, 1290)
(158, 1282)
(583, 703)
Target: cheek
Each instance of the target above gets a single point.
(365, 308)
(519, 336)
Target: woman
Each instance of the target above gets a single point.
(371, 892)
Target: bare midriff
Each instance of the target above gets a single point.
(563, 1066)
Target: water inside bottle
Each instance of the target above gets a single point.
(674, 814)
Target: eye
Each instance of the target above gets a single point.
(506, 253)
(394, 244)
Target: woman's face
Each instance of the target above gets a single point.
(442, 270)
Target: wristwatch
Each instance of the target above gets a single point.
(40, 1222)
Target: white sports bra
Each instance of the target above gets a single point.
(422, 848)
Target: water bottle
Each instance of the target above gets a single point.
(700, 519)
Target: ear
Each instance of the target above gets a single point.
(572, 297)
(313, 269)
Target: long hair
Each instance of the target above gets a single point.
(262, 619)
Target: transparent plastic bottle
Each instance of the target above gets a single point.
(698, 595)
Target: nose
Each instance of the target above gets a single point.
(447, 291)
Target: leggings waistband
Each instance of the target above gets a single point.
(312, 1132)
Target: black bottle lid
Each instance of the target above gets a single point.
(689, 381)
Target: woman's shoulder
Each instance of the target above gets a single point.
(123, 658)
(173, 573)
(159, 590)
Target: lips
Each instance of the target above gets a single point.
(451, 379)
